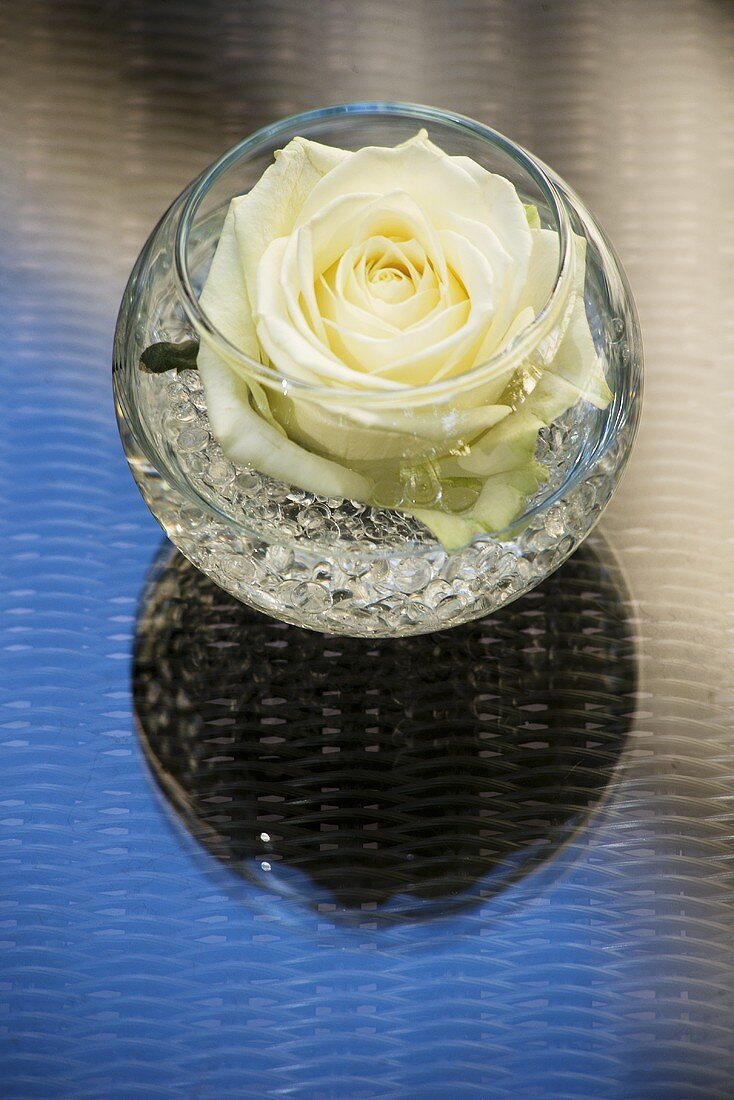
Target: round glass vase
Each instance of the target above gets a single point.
(336, 565)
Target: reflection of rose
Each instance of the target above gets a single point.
(373, 272)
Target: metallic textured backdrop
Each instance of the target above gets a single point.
(132, 962)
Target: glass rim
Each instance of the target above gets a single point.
(519, 348)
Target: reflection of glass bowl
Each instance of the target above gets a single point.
(334, 565)
(397, 776)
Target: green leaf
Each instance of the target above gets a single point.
(159, 358)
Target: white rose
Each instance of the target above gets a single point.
(372, 273)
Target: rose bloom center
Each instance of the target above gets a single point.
(379, 277)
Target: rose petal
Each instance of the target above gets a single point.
(576, 360)
(413, 311)
(542, 269)
(247, 438)
(408, 356)
(510, 475)
(509, 446)
(361, 435)
(305, 254)
(439, 184)
(288, 341)
(398, 215)
(452, 531)
(269, 210)
(224, 297)
(356, 318)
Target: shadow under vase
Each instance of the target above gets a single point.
(403, 776)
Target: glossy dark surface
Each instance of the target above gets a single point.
(135, 960)
(386, 778)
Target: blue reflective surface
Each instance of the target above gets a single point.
(132, 961)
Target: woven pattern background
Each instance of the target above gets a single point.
(145, 948)
(388, 773)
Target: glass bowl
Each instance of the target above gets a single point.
(336, 565)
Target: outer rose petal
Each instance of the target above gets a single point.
(236, 409)
(270, 209)
(248, 438)
(576, 361)
(224, 296)
(367, 436)
(510, 474)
